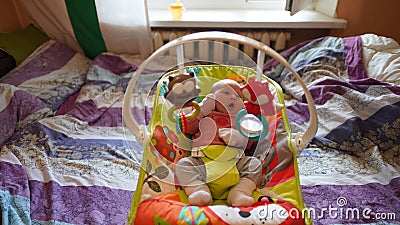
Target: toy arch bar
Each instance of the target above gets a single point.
(299, 141)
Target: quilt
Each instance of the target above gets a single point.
(67, 158)
(65, 155)
(350, 172)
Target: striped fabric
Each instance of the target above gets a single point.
(94, 26)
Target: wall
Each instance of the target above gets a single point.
(12, 16)
(300, 35)
(363, 16)
(369, 16)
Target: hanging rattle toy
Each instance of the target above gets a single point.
(251, 121)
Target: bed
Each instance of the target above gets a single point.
(350, 172)
(67, 158)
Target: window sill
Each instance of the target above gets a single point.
(245, 19)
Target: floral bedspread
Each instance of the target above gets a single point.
(66, 157)
(350, 172)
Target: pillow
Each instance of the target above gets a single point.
(7, 62)
(381, 58)
(23, 42)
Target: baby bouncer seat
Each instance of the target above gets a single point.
(251, 152)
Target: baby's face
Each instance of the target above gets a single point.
(228, 99)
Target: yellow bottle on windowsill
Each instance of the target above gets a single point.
(176, 10)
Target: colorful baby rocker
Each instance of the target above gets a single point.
(180, 101)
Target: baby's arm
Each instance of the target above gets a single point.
(207, 106)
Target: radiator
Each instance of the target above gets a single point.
(274, 39)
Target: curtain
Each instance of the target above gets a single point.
(94, 26)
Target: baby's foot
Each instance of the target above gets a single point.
(200, 198)
(240, 199)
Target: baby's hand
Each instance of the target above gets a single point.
(207, 106)
(232, 137)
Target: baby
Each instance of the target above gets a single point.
(218, 169)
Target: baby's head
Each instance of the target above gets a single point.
(228, 97)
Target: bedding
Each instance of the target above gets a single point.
(78, 166)
(67, 158)
(351, 171)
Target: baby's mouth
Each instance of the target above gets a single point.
(231, 106)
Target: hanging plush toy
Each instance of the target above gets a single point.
(259, 103)
(259, 99)
(182, 91)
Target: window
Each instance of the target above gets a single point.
(247, 14)
(327, 7)
(221, 4)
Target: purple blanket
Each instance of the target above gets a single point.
(65, 156)
(350, 173)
